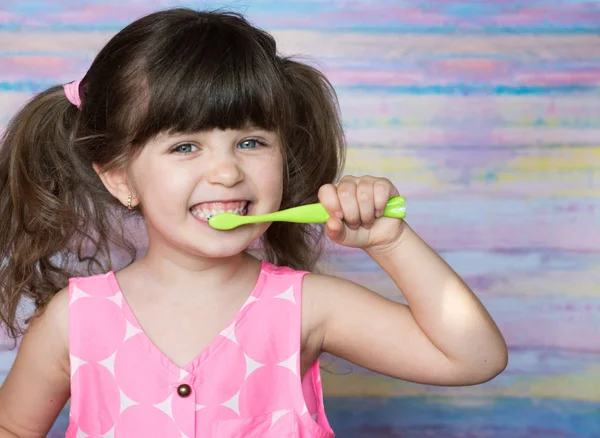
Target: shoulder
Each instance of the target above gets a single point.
(332, 301)
(328, 291)
(52, 321)
(323, 296)
(323, 288)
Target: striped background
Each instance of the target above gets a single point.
(486, 114)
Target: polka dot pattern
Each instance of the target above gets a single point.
(245, 383)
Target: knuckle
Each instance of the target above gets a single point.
(364, 195)
(344, 192)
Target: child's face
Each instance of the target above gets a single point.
(180, 179)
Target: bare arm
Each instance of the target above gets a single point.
(37, 386)
(443, 337)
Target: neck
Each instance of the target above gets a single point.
(166, 269)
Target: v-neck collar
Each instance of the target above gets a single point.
(210, 348)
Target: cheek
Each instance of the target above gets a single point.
(271, 177)
(161, 184)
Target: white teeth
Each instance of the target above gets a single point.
(208, 213)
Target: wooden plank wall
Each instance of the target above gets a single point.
(486, 114)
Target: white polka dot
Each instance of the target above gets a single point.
(229, 333)
(109, 363)
(76, 294)
(75, 363)
(166, 406)
(130, 330)
(304, 409)
(291, 363)
(233, 403)
(109, 434)
(117, 298)
(198, 407)
(249, 301)
(125, 401)
(287, 295)
(80, 434)
(183, 374)
(277, 415)
(251, 365)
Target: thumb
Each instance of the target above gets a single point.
(335, 229)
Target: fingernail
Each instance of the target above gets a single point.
(377, 213)
(339, 214)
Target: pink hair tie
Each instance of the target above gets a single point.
(72, 92)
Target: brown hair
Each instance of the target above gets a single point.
(177, 70)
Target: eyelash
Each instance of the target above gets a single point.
(259, 143)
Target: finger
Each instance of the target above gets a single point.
(383, 190)
(335, 229)
(328, 197)
(366, 204)
(346, 191)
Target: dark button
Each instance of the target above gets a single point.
(184, 390)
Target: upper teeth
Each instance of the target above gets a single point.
(206, 212)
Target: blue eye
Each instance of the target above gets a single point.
(250, 143)
(184, 148)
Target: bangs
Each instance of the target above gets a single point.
(213, 76)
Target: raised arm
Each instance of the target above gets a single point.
(444, 336)
(37, 386)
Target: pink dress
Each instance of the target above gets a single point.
(244, 384)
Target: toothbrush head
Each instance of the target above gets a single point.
(227, 221)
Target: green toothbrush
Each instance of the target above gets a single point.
(305, 214)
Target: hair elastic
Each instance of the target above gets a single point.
(72, 92)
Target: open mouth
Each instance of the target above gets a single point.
(208, 209)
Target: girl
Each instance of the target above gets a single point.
(181, 115)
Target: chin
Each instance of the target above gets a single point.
(228, 246)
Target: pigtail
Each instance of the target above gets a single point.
(315, 154)
(43, 205)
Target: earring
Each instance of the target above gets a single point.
(129, 202)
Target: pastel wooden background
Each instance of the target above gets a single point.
(486, 114)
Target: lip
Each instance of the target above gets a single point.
(247, 201)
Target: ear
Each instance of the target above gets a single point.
(117, 184)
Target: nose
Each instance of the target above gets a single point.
(224, 171)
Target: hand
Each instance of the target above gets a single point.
(359, 202)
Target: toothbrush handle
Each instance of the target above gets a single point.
(304, 214)
(316, 213)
